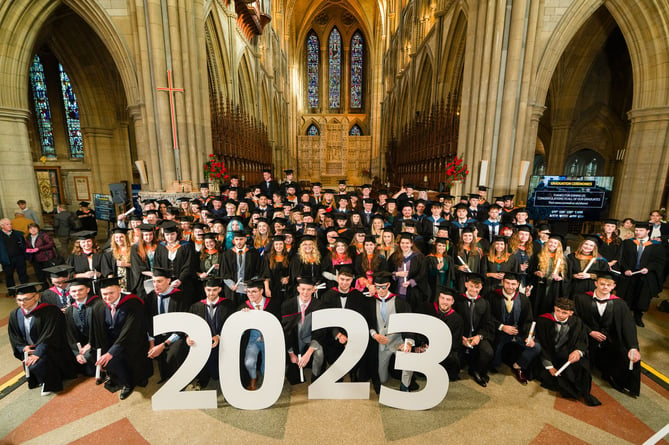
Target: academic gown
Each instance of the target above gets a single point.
(575, 381)
(80, 264)
(47, 331)
(487, 266)
(279, 290)
(457, 325)
(315, 271)
(182, 267)
(79, 331)
(477, 321)
(229, 269)
(170, 360)
(439, 277)
(546, 290)
(576, 285)
(610, 356)
(361, 273)
(125, 339)
(224, 308)
(290, 321)
(419, 291)
(355, 301)
(639, 289)
(139, 266)
(109, 267)
(53, 296)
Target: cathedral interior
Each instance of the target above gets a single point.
(386, 92)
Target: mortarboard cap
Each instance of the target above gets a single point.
(22, 289)
(84, 235)
(59, 271)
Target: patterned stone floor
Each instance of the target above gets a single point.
(504, 412)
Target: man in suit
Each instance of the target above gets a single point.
(119, 330)
(37, 337)
(479, 330)
(642, 263)
(304, 345)
(343, 296)
(268, 186)
(12, 253)
(168, 349)
(384, 345)
(563, 339)
(78, 323)
(512, 317)
(238, 265)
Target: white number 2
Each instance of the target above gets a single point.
(170, 395)
(358, 336)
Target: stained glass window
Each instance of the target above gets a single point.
(313, 130)
(357, 65)
(334, 59)
(42, 109)
(313, 58)
(71, 116)
(355, 131)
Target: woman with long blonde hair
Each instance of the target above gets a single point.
(307, 262)
(550, 276)
(388, 245)
(116, 261)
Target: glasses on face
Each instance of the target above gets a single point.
(24, 299)
(381, 286)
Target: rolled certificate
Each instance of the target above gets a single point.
(631, 365)
(464, 264)
(587, 268)
(299, 357)
(531, 333)
(98, 368)
(406, 343)
(213, 266)
(558, 263)
(563, 368)
(132, 209)
(25, 365)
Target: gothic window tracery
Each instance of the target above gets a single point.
(334, 64)
(313, 59)
(357, 66)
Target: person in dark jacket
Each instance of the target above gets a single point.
(12, 253)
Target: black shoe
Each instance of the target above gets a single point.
(591, 400)
(478, 379)
(403, 388)
(413, 386)
(486, 377)
(638, 319)
(126, 391)
(377, 386)
(111, 386)
(615, 385)
(520, 375)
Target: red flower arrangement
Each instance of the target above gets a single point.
(215, 170)
(456, 170)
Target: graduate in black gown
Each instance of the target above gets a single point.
(549, 272)
(304, 345)
(119, 330)
(442, 308)
(58, 294)
(238, 265)
(642, 263)
(586, 254)
(276, 270)
(214, 309)
(169, 349)
(563, 338)
(612, 335)
(78, 321)
(343, 296)
(178, 257)
(86, 257)
(37, 337)
(479, 333)
(142, 257)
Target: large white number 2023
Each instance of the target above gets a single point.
(358, 336)
(439, 338)
(170, 395)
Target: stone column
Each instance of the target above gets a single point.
(557, 151)
(17, 176)
(644, 173)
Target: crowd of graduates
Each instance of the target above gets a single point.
(510, 291)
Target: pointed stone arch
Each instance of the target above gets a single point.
(246, 86)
